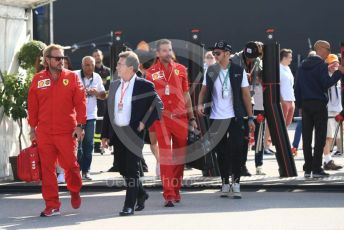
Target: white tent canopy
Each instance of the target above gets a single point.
(24, 3)
(16, 29)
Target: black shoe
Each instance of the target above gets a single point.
(244, 171)
(169, 204)
(127, 212)
(113, 169)
(320, 174)
(307, 174)
(141, 202)
(144, 168)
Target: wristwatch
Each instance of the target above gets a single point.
(250, 118)
(81, 126)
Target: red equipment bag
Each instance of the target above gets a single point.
(28, 164)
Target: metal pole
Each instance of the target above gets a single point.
(51, 20)
(341, 135)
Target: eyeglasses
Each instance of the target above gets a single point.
(217, 53)
(58, 58)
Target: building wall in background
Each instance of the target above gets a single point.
(236, 21)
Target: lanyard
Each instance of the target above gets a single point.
(225, 80)
(83, 80)
(172, 70)
(123, 90)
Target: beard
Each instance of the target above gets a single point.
(166, 59)
(57, 68)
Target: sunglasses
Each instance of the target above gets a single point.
(217, 53)
(58, 58)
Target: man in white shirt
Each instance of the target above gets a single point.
(94, 89)
(132, 106)
(228, 102)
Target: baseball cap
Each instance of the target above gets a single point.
(222, 45)
(251, 50)
(331, 58)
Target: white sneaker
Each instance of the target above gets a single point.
(259, 171)
(236, 191)
(157, 169)
(225, 190)
(61, 178)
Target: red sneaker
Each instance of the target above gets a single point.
(50, 212)
(75, 200)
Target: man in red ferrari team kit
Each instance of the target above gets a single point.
(57, 115)
(171, 83)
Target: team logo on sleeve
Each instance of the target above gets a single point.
(43, 83)
(176, 71)
(65, 82)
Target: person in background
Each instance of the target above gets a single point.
(209, 60)
(94, 90)
(250, 60)
(105, 75)
(287, 86)
(298, 129)
(312, 84)
(334, 107)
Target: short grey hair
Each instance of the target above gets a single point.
(162, 42)
(90, 58)
(131, 59)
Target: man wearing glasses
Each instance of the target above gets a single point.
(57, 116)
(225, 98)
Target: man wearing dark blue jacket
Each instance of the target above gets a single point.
(311, 88)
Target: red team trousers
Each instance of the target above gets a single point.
(172, 138)
(61, 147)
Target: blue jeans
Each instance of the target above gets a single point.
(85, 147)
(297, 136)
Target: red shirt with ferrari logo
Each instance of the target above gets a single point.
(56, 106)
(170, 83)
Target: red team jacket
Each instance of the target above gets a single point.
(56, 107)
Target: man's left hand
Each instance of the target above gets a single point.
(78, 133)
(141, 127)
(93, 92)
(193, 124)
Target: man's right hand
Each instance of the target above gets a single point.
(341, 69)
(105, 143)
(200, 110)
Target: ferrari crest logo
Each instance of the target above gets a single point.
(65, 82)
(176, 71)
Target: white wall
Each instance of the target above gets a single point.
(15, 27)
